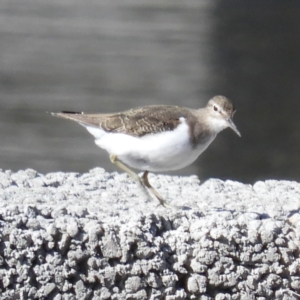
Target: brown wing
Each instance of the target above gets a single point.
(136, 122)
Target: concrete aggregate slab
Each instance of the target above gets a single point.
(97, 236)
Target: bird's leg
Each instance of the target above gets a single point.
(154, 192)
(143, 182)
(114, 160)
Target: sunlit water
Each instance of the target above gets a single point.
(102, 57)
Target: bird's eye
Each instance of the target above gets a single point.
(215, 108)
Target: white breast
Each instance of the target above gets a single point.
(163, 151)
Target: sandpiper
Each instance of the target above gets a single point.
(158, 137)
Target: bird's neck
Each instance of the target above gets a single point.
(201, 130)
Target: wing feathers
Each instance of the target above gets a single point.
(135, 122)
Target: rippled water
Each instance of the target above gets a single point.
(109, 56)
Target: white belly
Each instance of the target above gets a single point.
(164, 151)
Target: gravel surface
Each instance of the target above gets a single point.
(97, 236)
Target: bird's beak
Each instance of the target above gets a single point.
(233, 127)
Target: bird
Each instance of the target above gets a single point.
(156, 138)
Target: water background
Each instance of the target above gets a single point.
(105, 56)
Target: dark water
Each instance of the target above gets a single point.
(113, 55)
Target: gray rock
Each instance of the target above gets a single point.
(94, 236)
(196, 284)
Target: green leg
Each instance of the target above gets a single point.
(114, 160)
(154, 192)
(143, 182)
